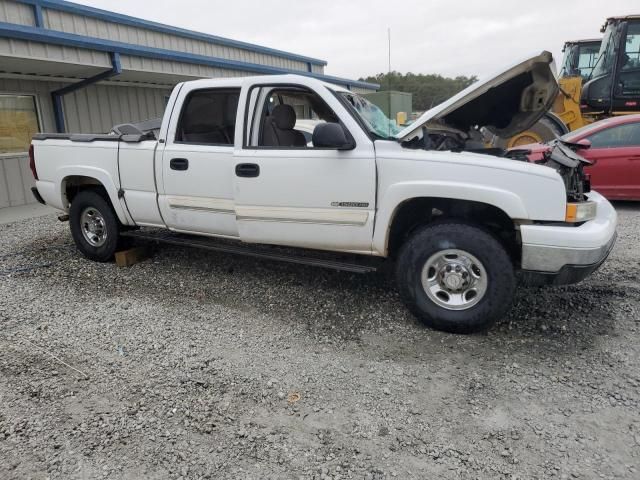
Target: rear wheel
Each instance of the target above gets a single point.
(94, 226)
(455, 277)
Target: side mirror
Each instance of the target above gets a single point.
(331, 135)
(584, 143)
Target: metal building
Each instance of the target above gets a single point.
(70, 67)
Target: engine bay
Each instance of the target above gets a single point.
(562, 156)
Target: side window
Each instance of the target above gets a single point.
(631, 56)
(621, 136)
(209, 117)
(286, 117)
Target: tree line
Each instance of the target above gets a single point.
(428, 89)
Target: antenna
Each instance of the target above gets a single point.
(389, 82)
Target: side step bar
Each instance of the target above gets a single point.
(267, 252)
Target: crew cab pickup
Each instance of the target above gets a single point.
(230, 159)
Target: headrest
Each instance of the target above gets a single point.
(285, 117)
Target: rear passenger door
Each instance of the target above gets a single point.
(196, 190)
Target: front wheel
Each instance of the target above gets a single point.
(94, 226)
(455, 277)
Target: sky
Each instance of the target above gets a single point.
(427, 36)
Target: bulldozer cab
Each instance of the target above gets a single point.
(613, 86)
(579, 58)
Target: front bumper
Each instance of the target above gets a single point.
(570, 273)
(562, 254)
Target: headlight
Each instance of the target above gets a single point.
(581, 212)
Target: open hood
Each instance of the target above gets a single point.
(505, 104)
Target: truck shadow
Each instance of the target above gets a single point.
(346, 306)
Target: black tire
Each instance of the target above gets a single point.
(437, 237)
(92, 199)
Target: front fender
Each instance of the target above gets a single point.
(397, 194)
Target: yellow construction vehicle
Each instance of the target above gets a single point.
(579, 60)
(598, 79)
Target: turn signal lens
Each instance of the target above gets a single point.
(581, 212)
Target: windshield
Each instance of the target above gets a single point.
(580, 59)
(607, 54)
(568, 62)
(372, 116)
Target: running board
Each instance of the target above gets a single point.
(266, 252)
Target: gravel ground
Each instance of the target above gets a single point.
(204, 365)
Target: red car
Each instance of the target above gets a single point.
(615, 151)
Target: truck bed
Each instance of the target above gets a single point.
(126, 132)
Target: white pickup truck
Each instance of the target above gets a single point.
(461, 222)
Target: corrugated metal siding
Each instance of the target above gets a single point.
(15, 181)
(15, 176)
(94, 109)
(76, 56)
(178, 68)
(97, 108)
(92, 27)
(91, 110)
(13, 12)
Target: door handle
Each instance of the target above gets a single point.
(179, 164)
(247, 170)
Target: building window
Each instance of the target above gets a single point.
(18, 122)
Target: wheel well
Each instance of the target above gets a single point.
(73, 185)
(417, 212)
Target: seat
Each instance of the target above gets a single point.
(279, 132)
(204, 124)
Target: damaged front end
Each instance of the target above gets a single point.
(565, 159)
(503, 105)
